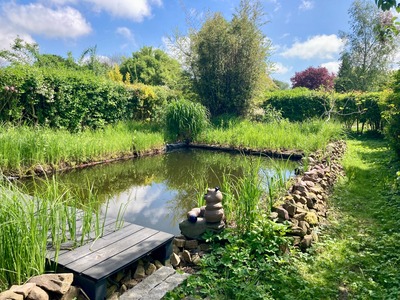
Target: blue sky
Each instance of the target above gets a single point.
(304, 33)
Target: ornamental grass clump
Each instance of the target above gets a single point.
(185, 120)
(248, 197)
(31, 226)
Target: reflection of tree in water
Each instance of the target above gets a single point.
(193, 171)
(187, 172)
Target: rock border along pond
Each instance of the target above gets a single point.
(304, 206)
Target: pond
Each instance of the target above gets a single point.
(157, 191)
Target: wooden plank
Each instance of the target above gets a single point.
(109, 227)
(88, 255)
(101, 243)
(125, 241)
(124, 258)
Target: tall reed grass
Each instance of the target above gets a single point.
(308, 136)
(23, 147)
(247, 198)
(32, 225)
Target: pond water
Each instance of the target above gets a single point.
(158, 191)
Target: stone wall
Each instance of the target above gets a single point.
(305, 205)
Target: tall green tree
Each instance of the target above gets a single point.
(228, 59)
(368, 50)
(153, 67)
(21, 52)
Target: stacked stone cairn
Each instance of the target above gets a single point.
(305, 204)
(208, 217)
(190, 247)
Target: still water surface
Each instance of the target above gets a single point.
(157, 191)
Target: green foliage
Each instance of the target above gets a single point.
(145, 102)
(307, 136)
(369, 48)
(298, 104)
(30, 226)
(75, 100)
(21, 52)
(152, 67)
(392, 116)
(361, 108)
(357, 251)
(349, 108)
(281, 84)
(386, 4)
(23, 148)
(60, 98)
(268, 114)
(245, 198)
(228, 60)
(185, 120)
(241, 267)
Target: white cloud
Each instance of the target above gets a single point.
(319, 46)
(277, 5)
(60, 2)
(135, 10)
(285, 35)
(332, 66)
(306, 5)
(65, 22)
(125, 32)
(279, 68)
(8, 35)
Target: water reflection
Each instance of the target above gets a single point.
(157, 191)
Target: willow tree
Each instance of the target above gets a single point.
(228, 59)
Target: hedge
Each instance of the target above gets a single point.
(64, 98)
(301, 104)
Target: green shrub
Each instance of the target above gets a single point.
(184, 120)
(362, 109)
(145, 101)
(74, 100)
(60, 98)
(392, 116)
(298, 104)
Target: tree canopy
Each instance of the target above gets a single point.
(152, 66)
(313, 78)
(368, 49)
(228, 59)
(387, 4)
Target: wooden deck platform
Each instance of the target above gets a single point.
(97, 260)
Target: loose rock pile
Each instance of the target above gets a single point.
(187, 253)
(45, 287)
(128, 278)
(305, 204)
(59, 286)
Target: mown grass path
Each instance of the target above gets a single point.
(358, 256)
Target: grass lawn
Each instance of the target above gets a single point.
(359, 254)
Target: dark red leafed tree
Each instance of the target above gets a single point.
(314, 78)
